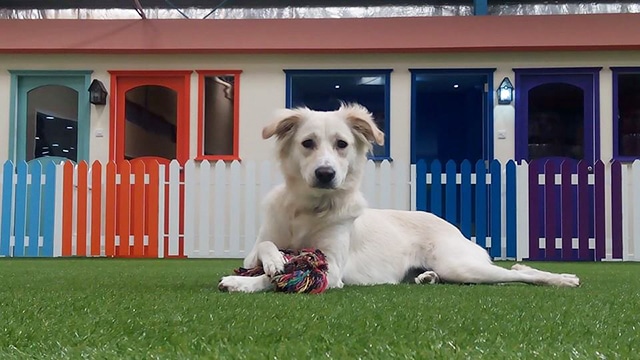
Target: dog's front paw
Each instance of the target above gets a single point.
(273, 264)
(237, 284)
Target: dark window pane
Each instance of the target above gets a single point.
(52, 126)
(556, 121)
(218, 115)
(151, 114)
(325, 91)
(629, 114)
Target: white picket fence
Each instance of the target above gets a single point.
(223, 201)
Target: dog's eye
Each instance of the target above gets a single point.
(341, 144)
(308, 144)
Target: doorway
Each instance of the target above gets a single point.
(451, 115)
(51, 116)
(556, 126)
(150, 122)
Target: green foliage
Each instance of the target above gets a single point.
(171, 309)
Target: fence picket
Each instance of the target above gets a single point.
(49, 210)
(616, 209)
(205, 218)
(635, 174)
(401, 187)
(20, 209)
(250, 209)
(138, 209)
(511, 209)
(369, 184)
(584, 209)
(496, 209)
(110, 210)
(67, 208)
(234, 211)
(124, 214)
(451, 203)
(385, 185)
(220, 205)
(173, 246)
(153, 208)
(190, 203)
(600, 223)
(421, 185)
(567, 206)
(264, 181)
(7, 209)
(550, 211)
(522, 205)
(465, 198)
(96, 208)
(535, 220)
(436, 188)
(81, 206)
(162, 209)
(481, 204)
(34, 196)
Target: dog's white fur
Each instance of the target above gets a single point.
(363, 246)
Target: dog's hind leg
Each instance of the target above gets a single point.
(489, 273)
(427, 277)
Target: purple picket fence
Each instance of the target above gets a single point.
(567, 210)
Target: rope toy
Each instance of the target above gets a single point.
(305, 271)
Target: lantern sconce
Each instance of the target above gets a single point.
(505, 92)
(97, 93)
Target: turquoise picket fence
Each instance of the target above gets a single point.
(28, 192)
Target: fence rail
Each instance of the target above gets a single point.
(533, 211)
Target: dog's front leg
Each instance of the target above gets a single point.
(336, 250)
(334, 272)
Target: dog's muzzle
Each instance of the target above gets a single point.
(324, 177)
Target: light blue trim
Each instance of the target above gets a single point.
(359, 72)
(480, 7)
(17, 139)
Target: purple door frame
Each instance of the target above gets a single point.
(586, 79)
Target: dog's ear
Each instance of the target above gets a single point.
(361, 121)
(284, 122)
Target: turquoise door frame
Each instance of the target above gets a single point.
(23, 81)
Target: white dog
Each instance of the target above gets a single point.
(322, 157)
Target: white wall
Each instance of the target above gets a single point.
(262, 87)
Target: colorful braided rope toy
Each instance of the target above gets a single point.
(305, 271)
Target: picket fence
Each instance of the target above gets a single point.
(212, 210)
(144, 209)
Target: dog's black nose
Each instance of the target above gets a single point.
(325, 174)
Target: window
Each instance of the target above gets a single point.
(55, 136)
(626, 113)
(323, 90)
(218, 115)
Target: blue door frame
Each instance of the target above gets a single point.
(488, 104)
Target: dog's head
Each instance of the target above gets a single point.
(324, 149)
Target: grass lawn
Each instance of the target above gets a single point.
(168, 309)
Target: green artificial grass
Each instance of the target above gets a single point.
(171, 309)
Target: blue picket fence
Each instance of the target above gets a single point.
(28, 209)
(471, 197)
